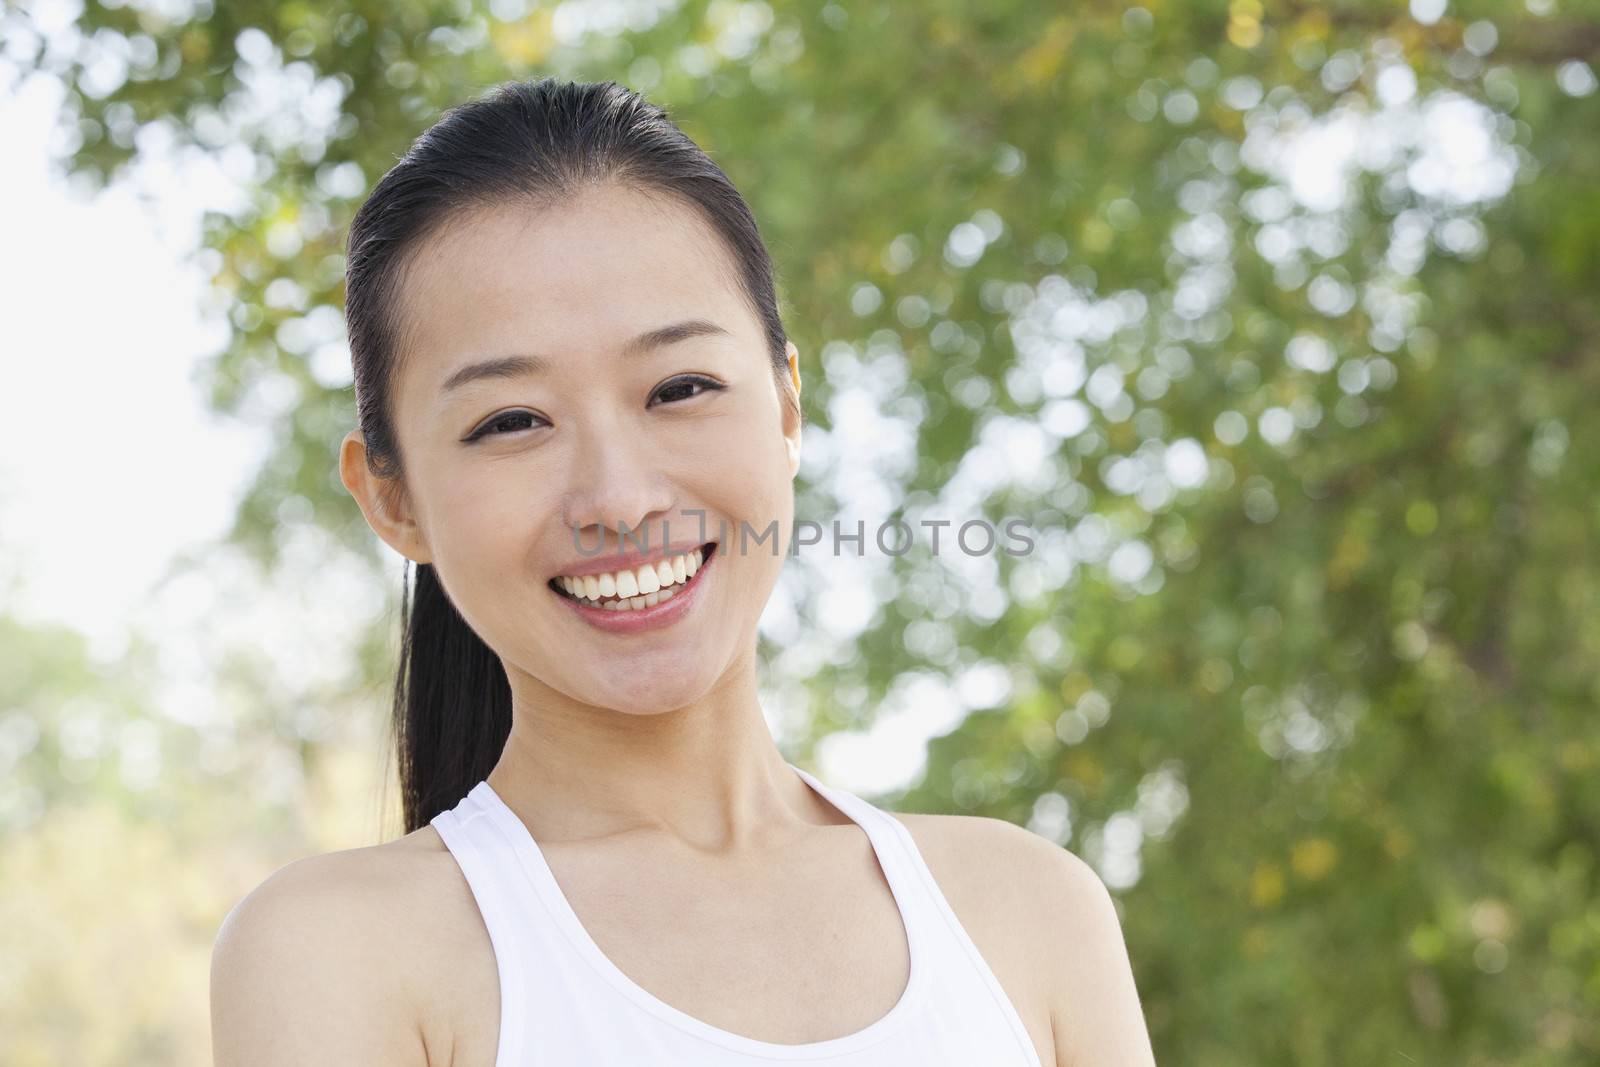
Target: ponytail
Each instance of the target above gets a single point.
(452, 702)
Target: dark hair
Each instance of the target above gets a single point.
(534, 143)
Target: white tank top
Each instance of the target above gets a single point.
(563, 1002)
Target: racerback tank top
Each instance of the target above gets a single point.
(563, 1003)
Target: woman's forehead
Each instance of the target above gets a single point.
(583, 275)
(580, 249)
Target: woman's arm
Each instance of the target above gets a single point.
(1094, 1005)
(300, 974)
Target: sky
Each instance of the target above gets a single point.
(109, 462)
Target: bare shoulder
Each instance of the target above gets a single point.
(1053, 907)
(323, 962)
(1018, 850)
(1005, 865)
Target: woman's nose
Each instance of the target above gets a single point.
(617, 482)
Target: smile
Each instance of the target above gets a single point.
(638, 588)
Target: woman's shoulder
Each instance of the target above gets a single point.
(983, 848)
(1017, 885)
(1023, 899)
(1050, 927)
(393, 904)
(365, 883)
(349, 937)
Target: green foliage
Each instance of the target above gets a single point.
(1324, 716)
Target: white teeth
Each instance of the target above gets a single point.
(644, 586)
(649, 580)
(635, 603)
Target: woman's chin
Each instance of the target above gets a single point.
(649, 697)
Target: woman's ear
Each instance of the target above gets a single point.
(382, 500)
(791, 411)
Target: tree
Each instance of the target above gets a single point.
(1274, 321)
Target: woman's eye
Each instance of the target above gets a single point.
(674, 390)
(511, 421)
(504, 423)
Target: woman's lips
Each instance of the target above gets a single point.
(634, 620)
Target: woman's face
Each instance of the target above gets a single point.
(511, 479)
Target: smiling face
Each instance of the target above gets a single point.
(593, 431)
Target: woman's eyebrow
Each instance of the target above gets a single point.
(666, 335)
(518, 366)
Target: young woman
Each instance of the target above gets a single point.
(575, 397)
